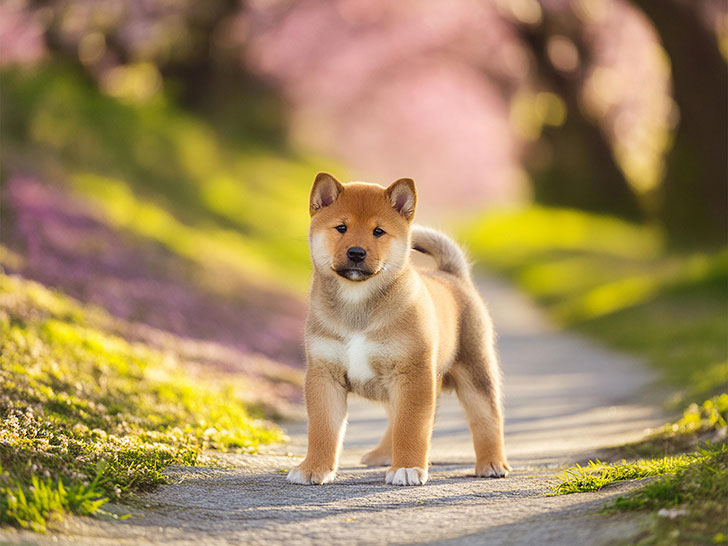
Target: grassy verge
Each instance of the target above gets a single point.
(689, 495)
(86, 416)
(618, 283)
(690, 505)
(707, 421)
(596, 475)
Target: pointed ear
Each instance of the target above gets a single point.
(403, 196)
(326, 190)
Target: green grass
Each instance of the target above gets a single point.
(688, 495)
(710, 416)
(596, 475)
(165, 174)
(33, 506)
(86, 416)
(707, 420)
(617, 282)
(690, 506)
(708, 481)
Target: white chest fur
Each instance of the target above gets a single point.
(354, 354)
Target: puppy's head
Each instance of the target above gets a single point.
(360, 231)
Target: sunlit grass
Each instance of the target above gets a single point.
(86, 416)
(710, 415)
(708, 418)
(688, 495)
(514, 237)
(690, 506)
(682, 470)
(44, 500)
(596, 475)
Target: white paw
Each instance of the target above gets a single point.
(492, 470)
(310, 477)
(407, 476)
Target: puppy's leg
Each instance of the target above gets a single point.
(478, 392)
(413, 408)
(326, 407)
(382, 454)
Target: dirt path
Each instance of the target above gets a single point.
(565, 398)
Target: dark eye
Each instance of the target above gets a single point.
(378, 232)
(341, 228)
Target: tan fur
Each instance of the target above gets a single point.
(390, 332)
(448, 256)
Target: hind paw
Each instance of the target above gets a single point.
(376, 458)
(492, 469)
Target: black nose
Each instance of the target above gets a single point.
(356, 254)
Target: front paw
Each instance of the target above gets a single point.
(406, 476)
(492, 469)
(305, 475)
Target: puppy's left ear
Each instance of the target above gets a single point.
(403, 196)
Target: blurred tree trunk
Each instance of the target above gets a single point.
(695, 195)
(574, 164)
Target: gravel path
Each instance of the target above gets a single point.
(565, 399)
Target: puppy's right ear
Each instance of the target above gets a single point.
(326, 189)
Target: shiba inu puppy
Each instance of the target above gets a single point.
(381, 328)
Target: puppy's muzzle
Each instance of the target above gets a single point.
(355, 269)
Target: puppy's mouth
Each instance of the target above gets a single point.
(354, 273)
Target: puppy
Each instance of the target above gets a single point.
(382, 329)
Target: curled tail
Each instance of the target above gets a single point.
(446, 252)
